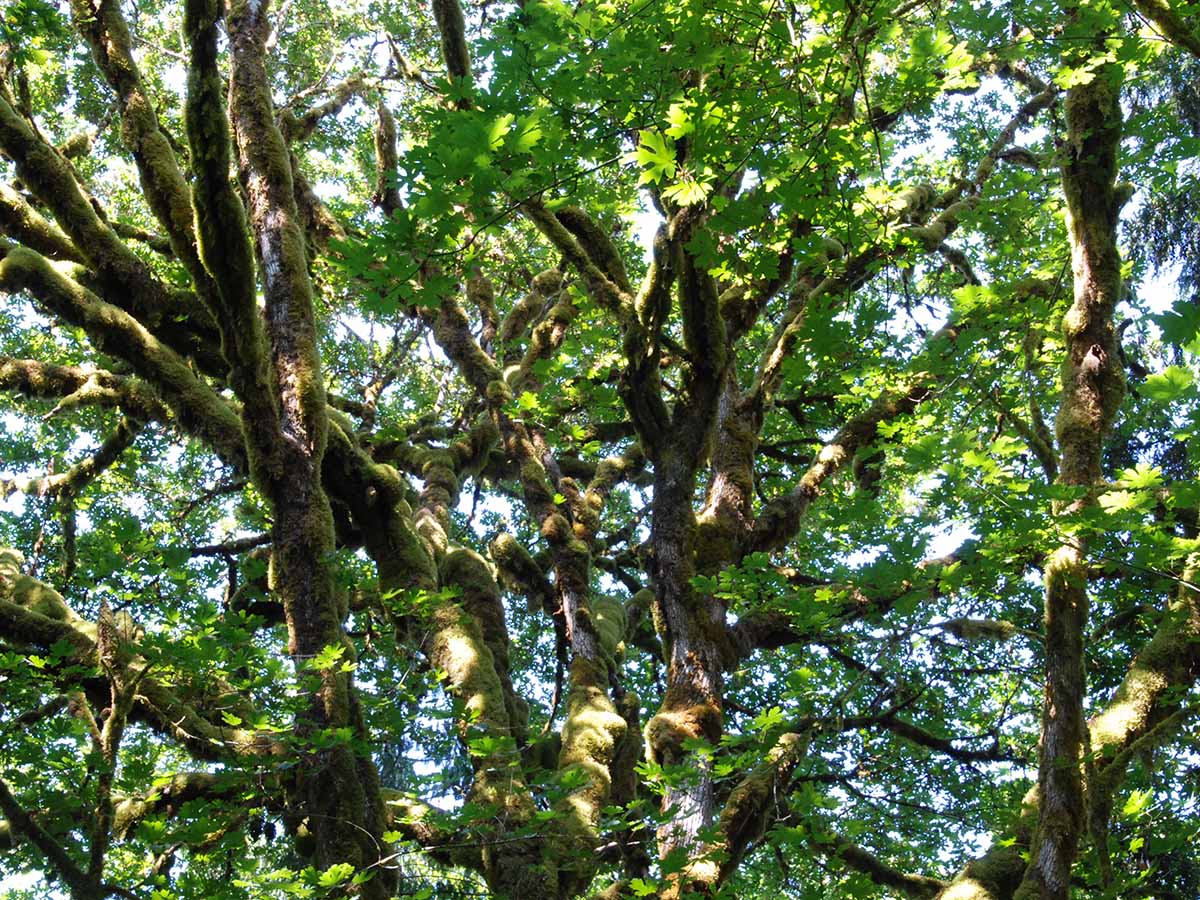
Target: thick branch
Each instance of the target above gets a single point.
(1173, 25)
(181, 322)
(199, 410)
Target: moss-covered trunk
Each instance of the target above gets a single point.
(336, 792)
(1092, 387)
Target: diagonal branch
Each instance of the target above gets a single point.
(82, 886)
(107, 33)
(199, 410)
(1172, 24)
(178, 319)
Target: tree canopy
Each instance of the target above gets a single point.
(621, 448)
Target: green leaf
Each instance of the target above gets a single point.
(686, 192)
(328, 657)
(681, 123)
(1169, 384)
(655, 156)
(1137, 803)
(335, 874)
(1143, 475)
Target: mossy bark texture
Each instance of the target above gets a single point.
(285, 420)
(1093, 385)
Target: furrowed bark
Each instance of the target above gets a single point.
(691, 625)
(339, 790)
(1093, 384)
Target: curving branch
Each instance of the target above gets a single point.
(76, 386)
(21, 221)
(860, 859)
(33, 614)
(107, 33)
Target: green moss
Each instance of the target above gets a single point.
(596, 244)
(608, 618)
(200, 411)
(498, 393)
(591, 733)
(994, 876)
(556, 529)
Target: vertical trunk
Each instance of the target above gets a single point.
(690, 625)
(337, 790)
(691, 708)
(1092, 388)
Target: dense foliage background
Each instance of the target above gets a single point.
(599, 449)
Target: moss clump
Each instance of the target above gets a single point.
(667, 732)
(608, 618)
(556, 529)
(498, 393)
(591, 733)
(520, 573)
(27, 591)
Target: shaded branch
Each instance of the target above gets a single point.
(860, 859)
(1171, 23)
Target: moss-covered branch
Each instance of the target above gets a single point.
(106, 32)
(341, 799)
(1093, 385)
(81, 885)
(453, 29)
(179, 320)
(298, 128)
(74, 386)
(780, 519)
(198, 409)
(386, 195)
(590, 262)
(1141, 716)
(223, 232)
(33, 614)
(1177, 30)
(67, 484)
(21, 221)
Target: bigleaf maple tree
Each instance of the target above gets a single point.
(613, 449)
